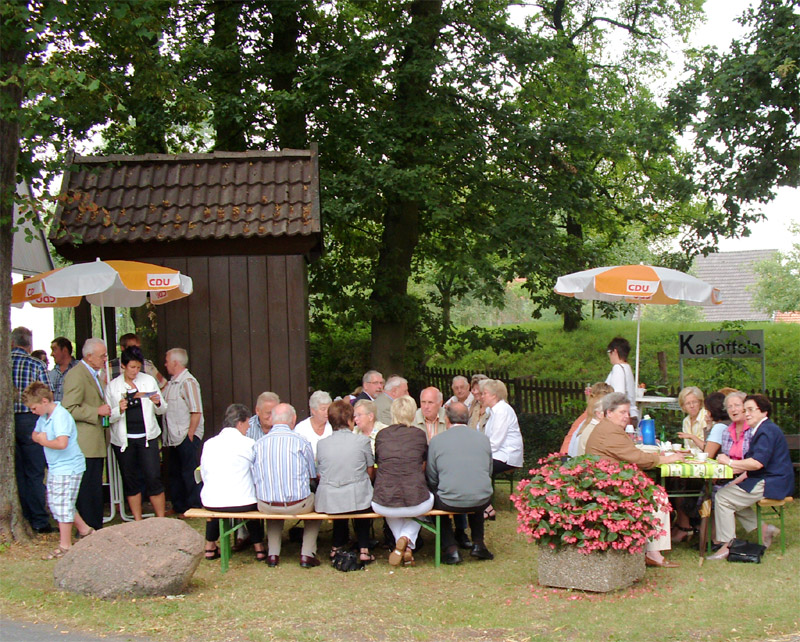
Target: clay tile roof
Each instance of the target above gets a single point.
(160, 197)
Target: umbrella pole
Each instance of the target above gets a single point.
(105, 337)
(638, 329)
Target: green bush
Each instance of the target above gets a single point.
(541, 435)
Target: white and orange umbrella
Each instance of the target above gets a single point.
(637, 284)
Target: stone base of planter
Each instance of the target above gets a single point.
(599, 572)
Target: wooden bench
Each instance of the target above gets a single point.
(227, 527)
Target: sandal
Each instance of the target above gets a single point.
(396, 556)
(408, 558)
(682, 534)
(366, 557)
(56, 554)
(212, 553)
(261, 556)
(334, 550)
(489, 514)
(91, 531)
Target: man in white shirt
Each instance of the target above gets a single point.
(461, 393)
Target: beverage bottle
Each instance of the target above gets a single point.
(648, 430)
(630, 432)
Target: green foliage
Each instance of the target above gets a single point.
(541, 435)
(508, 339)
(338, 357)
(778, 285)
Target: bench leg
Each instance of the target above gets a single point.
(437, 556)
(227, 527)
(758, 524)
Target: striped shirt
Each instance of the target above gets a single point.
(24, 371)
(254, 431)
(56, 377)
(182, 394)
(284, 466)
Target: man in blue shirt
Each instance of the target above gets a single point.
(282, 472)
(61, 351)
(29, 456)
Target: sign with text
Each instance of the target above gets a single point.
(747, 344)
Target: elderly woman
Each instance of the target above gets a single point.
(135, 401)
(769, 474)
(477, 413)
(578, 435)
(366, 422)
(609, 441)
(736, 439)
(503, 431)
(316, 427)
(401, 490)
(346, 467)
(690, 399)
(227, 478)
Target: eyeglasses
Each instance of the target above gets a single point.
(750, 408)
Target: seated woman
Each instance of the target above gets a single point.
(769, 474)
(609, 441)
(227, 480)
(135, 401)
(401, 490)
(591, 417)
(503, 432)
(736, 439)
(366, 422)
(346, 467)
(693, 432)
(716, 424)
(477, 414)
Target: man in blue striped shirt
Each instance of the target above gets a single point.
(28, 456)
(282, 472)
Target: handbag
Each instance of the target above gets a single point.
(347, 561)
(740, 550)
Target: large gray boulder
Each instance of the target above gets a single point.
(153, 557)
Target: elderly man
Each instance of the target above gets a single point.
(183, 430)
(63, 362)
(261, 422)
(84, 398)
(430, 415)
(126, 341)
(29, 456)
(316, 427)
(282, 472)
(366, 424)
(394, 388)
(371, 384)
(459, 473)
(461, 392)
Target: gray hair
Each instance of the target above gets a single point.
(180, 355)
(90, 345)
(283, 414)
(264, 397)
(735, 393)
(614, 400)
(460, 378)
(495, 387)
(393, 382)
(234, 414)
(457, 413)
(318, 398)
(369, 374)
(477, 378)
(403, 410)
(367, 405)
(690, 390)
(21, 338)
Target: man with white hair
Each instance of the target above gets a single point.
(183, 431)
(394, 388)
(430, 415)
(85, 399)
(371, 384)
(29, 456)
(261, 422)
(316, 427)
(461, 392)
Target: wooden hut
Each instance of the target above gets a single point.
(242, 225)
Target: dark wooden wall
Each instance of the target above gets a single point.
(245, 328)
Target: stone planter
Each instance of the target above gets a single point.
(598, 572)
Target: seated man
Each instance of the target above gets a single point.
(282, 472)
(459, 473)
(261, 422)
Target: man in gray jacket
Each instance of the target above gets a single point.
(459, 474)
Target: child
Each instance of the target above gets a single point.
(56, 432)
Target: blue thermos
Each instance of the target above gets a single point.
(648, 428)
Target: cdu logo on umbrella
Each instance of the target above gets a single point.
(163, 280)
(639, 288)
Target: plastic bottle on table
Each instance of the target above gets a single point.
(648, 431)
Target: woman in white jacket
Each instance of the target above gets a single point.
(135, 401)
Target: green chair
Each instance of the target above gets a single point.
(777, 507)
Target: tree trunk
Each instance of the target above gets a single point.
(290, 119)
(12, 523)
(226, 78)
(572, 313)
(391, 307)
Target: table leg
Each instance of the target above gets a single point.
(437, 559)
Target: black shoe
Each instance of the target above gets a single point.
(273, 560)
(462, 539)
(481, 552)
(43, 530)
(452, 558)
(309, 561)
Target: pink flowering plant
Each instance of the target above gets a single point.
(590, 503)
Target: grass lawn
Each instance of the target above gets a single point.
(475, 601)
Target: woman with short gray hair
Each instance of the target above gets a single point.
(316, 427)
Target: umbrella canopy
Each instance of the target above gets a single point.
(637, 284)
(118, 284)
